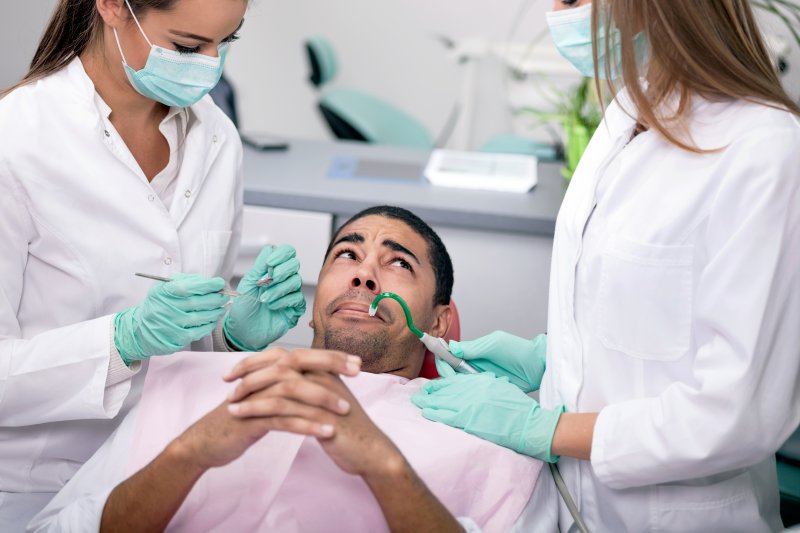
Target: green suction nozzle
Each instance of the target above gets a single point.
(373, 308)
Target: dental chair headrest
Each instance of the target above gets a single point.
(321, 60)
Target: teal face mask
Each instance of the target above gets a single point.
(571, 30)
(172, 78)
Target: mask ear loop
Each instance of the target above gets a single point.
(116, 36)
(137, 23)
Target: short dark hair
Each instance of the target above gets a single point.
(437, 253)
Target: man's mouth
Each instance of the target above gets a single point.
(359, 310)
(356, 309)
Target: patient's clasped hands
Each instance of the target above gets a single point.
(298, 391)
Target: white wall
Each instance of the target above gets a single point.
(21, 26)
(384, 47)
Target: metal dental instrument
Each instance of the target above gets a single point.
(266, 280)
(226, 292)
(437, 345)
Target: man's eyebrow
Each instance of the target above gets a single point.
(350, 237)
(200, 37)
(397, 247)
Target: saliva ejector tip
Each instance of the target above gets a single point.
(373, 308)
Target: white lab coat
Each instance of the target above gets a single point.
(77, 219)
(674, 311)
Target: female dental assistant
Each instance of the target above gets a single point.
(672, 365)
(113, 162)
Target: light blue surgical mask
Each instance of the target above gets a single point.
(571, 30)
(173, 78)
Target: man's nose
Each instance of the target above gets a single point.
(366, 277)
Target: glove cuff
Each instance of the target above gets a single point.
(120, 321)
(537, 434)
(233, 342)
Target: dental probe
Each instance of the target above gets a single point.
(437, 345)
(227, 292)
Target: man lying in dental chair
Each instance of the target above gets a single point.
(304, 441)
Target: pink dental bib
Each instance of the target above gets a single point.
(287, 483)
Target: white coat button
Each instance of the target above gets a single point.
(167, 260)
(214, 138)
(107, 133)
(151, 198)
(188, 193)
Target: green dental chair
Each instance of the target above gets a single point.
(354, 115)
(358, 116)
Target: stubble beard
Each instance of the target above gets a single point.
(371, 347)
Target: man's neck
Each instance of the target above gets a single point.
(409, 366)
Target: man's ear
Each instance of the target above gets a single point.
(442, 317)
(113, 12)
(311, 323)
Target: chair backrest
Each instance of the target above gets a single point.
(355, 115)
(454, 333)
(224, 96)
(321, 60)
(377, 121)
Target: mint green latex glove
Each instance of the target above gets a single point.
(491, 408)
(522, 361)
(172, 315)
(264, 314)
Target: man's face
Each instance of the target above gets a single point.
(376, 254)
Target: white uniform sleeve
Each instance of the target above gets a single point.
(78, 507)
(218, 336)
(57, 375)
(744, 400)
(236, 235)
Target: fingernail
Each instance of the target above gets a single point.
(353, 368)
(344, 406)
(231, 394)
(234, 408)
(354, 359)
(326, 430)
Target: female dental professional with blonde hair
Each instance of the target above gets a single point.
(113, 161)
(672, 358)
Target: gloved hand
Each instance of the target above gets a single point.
(172, 315)
(522, 361)
(263, 314)
(491, 408)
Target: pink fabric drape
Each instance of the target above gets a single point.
(287, 483)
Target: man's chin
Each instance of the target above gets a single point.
(369, 345)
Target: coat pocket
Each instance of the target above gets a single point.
(645, 299)
(711, 505)
(215, 248)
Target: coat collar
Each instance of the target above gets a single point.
(205, 134)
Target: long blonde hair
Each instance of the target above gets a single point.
(710, 48)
